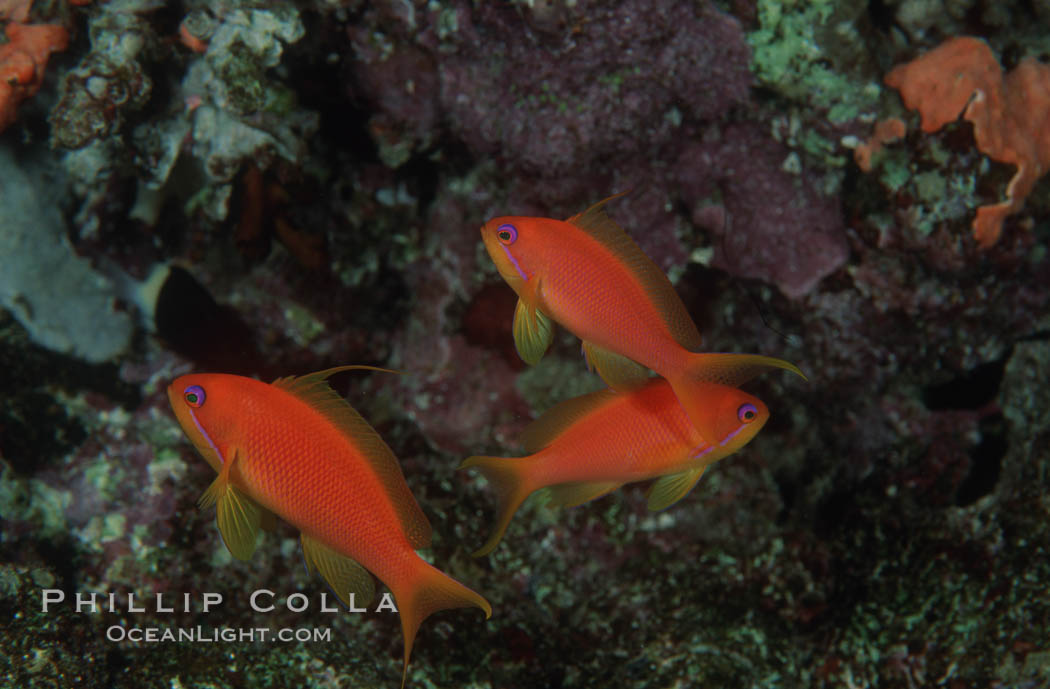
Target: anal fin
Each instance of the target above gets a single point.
(574, 494)
(618, 372)
(237, 515)
(346, 577)
(667, 490)
(533, 332)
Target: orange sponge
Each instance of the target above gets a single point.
(1010, 116)
(22, 63)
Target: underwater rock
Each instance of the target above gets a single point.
(109, 84)
(239, 113)
(228, 107)
(64, 304)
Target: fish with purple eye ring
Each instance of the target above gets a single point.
(588, 446)
(587, 274)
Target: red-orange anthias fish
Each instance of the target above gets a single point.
(298, 450)
(588, 275)
(588, 446)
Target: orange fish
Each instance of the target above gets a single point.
(588, 275)
(588, 446)
(298, 450)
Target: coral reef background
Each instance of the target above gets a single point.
(317, 171)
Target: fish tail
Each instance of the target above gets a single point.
(432, 590)
(509, 477)
(693, 384)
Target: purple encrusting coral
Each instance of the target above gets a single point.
(322, 169)
(776, 226)
(577, 87)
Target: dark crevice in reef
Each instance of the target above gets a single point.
(985, 461)
(972, 390)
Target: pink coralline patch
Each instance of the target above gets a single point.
(458, 394)
(555, 98)
(401, 89)
(647, 215)
(778, 227)
(471, 402)
(553, 111)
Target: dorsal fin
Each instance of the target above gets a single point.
(558, 418)
(734, 369)
(595, 222)
(312, 389)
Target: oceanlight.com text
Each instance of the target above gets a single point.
(201, 634)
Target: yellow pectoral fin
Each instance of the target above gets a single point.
(237, 515)
(618, 372)
(533, 332)
(346, 577)
(667, 490)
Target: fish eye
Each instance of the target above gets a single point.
(507, 234)
(194, 395)
(747, 413)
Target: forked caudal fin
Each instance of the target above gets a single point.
(509, 479)
(723, 369)
(429, 591)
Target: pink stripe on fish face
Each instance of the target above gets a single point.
(205, 434)
(513, 260)
(702, 450)
(731, 436)
(700, 453)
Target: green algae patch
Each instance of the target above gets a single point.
(801, 50)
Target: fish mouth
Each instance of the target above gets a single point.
(495, 252)
(489, 240)
(172, 398)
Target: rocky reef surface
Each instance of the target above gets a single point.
(310, 177)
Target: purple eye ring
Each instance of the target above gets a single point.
(747, 413)
(194, 395)
(507, 234)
